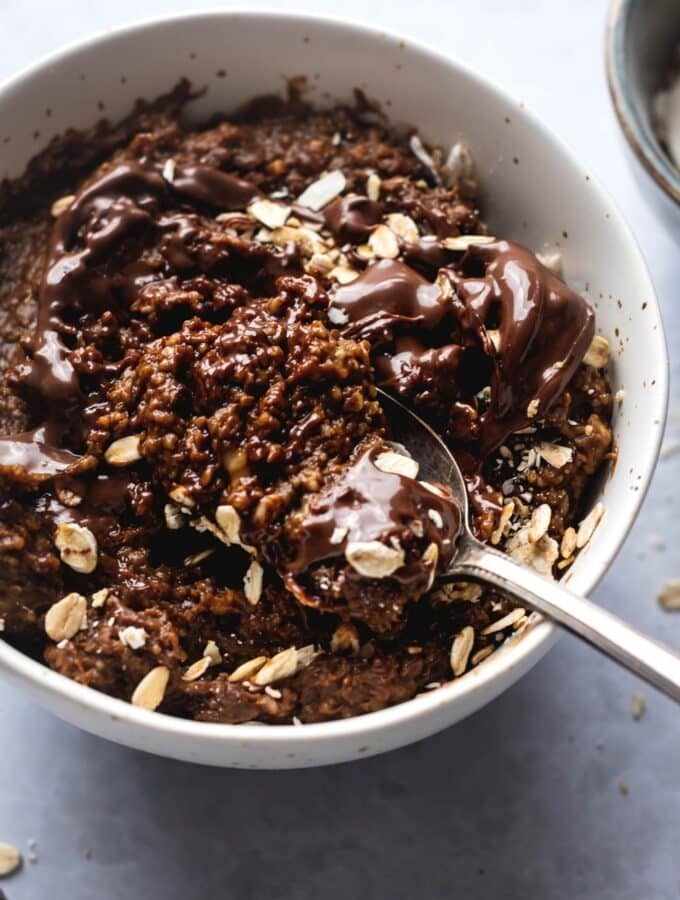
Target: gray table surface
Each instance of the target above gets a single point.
(525, 798)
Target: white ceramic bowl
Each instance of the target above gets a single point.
(535, 191)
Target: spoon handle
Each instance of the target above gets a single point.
(650, 660)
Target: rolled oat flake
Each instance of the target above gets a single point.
(10, 859)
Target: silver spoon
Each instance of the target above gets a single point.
(652, 661)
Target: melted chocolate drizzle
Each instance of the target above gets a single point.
(427, 254)
(352, 218)
(117, 207)
(367, 504)
(414, 366)
(101, 217)
(36, 452)
(545, 330)
(213, 187)
(386, 293)
(420, 339)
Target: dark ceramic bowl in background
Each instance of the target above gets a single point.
(640, 48)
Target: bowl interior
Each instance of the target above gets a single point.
(642, 47)
(534, 191)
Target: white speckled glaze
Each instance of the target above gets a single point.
(534, 191)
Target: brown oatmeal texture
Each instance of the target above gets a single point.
(220, 398)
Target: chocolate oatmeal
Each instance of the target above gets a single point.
(202, 508)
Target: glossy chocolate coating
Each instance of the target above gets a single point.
(352, 218)
(369, 504)
(420, 338)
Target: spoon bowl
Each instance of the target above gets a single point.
(475, 561)
(435, 461)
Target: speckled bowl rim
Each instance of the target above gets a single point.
(645, 148)
(512, 660)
